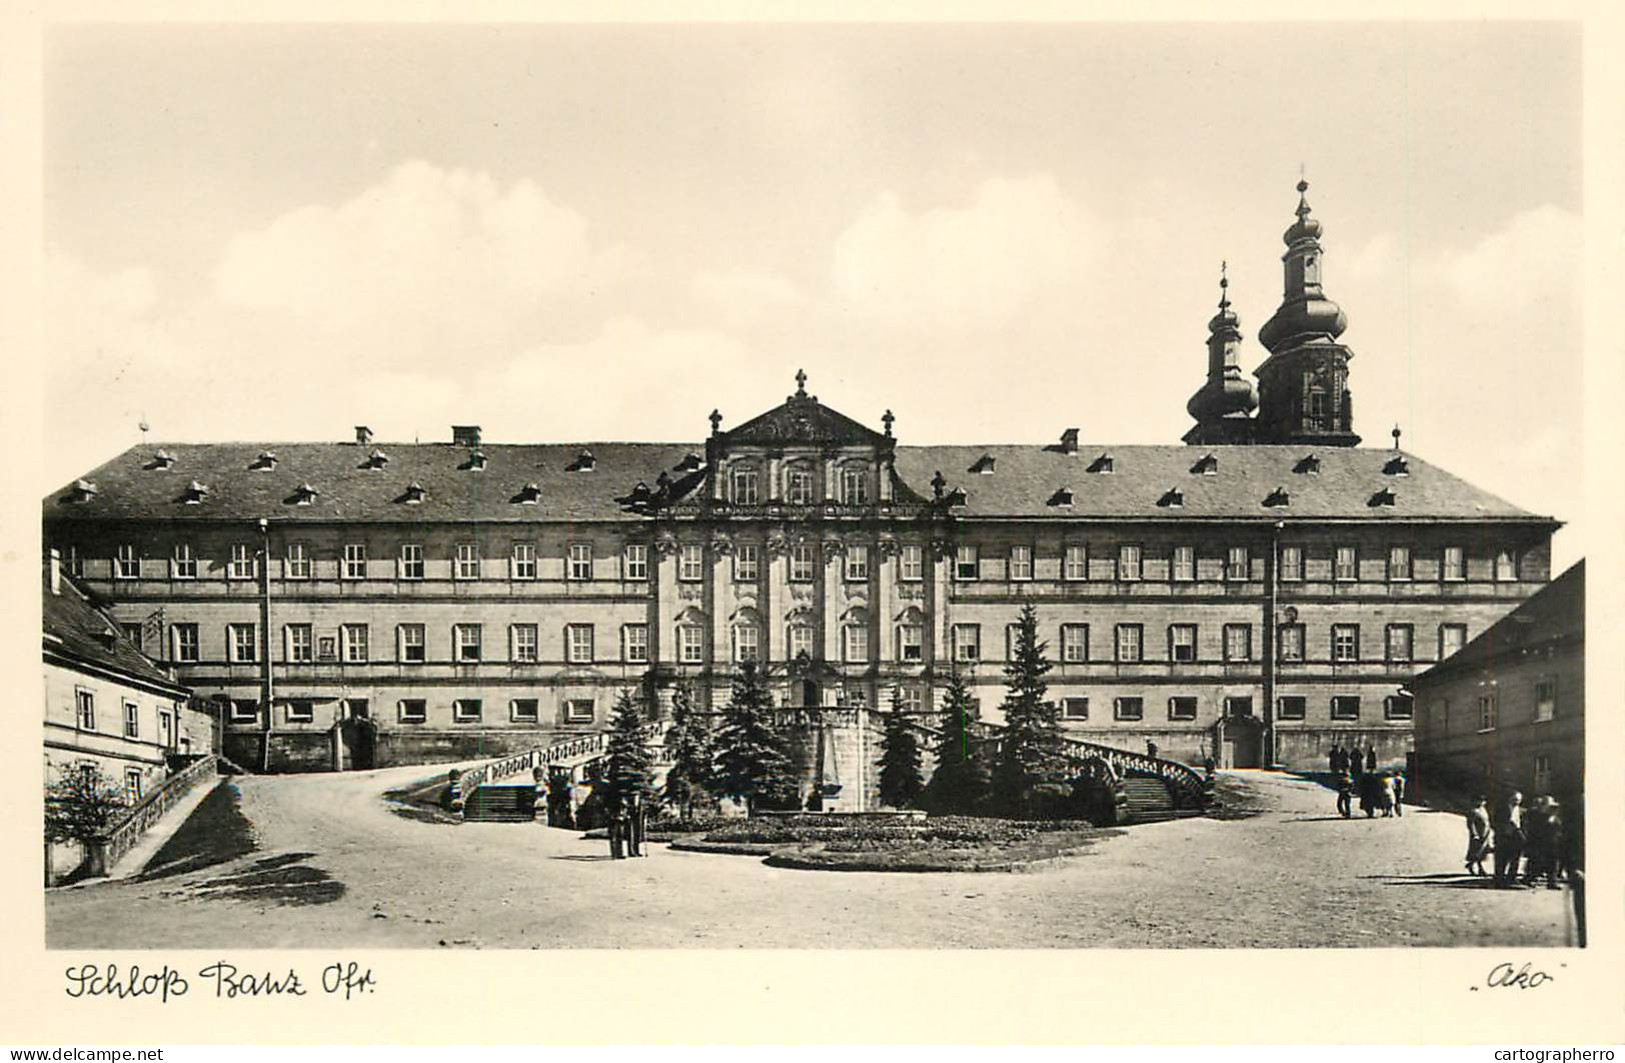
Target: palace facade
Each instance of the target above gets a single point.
(1256, 594)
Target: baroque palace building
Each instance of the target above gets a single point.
(1256, 594)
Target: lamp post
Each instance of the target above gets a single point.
(268, 681)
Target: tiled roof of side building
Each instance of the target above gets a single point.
(1554, 613)
(235, 482)
(75, 628)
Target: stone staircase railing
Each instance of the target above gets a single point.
(568, 752)
(107, 851)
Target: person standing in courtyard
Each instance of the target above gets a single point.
(1399, 793)
(1345, 794)
(1541, 829)
(1509, 841)
(1478, 835)
(1355, 763)
(1385, 795)
(1371, 759)
(618, 823)
(635, 826)
(1335, 759)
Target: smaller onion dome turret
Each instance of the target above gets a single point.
(1227, 393)
(1305, 314)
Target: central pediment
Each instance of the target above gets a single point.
(802, 420)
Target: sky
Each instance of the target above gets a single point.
(586, 233)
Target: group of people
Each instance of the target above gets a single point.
(1532, 836)
(1355, 772)
(627, 825)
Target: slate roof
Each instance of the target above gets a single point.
(1554, 613)
(1146, 482)
(77, 629)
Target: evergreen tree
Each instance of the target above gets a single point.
(628, 762)
(752, 761)
(689, 742)
(900, 782)
(960, 782)
(1030, 753)
(82, 805)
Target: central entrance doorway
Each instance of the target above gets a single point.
(1241, 742)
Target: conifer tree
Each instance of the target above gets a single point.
(960, 782)
(900, 782)
(752, 759)
(689, 742)
(1030, 753)
(629, 763)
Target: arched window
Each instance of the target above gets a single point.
(855, 637)
(911, 636)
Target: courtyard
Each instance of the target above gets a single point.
(316, 860)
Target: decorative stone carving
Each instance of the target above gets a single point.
(911, 591)
(834, 548)
(691, 591)
(665, 544)
(889, 546)
(941, 549)
(722, 545)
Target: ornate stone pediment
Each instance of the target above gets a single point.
(802, 421)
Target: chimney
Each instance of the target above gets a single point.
(465, 435)
(363, 434)
(1069, 441)
(56, 571)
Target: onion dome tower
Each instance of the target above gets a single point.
(1303, 384)
(1223, 406)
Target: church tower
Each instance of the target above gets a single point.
(1303, 384)
(1223, 406)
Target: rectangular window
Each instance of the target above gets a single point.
(1075, 565)
(1543, 773)
(1292, 707)
(578, 639)
(910, 699)
(1291, 564)
(910, 562)
(746, 487)
(967, 640)
(578, 710)
(1506, 566)
(857, 563)
(132, 786)
(242, 562)
(1075, 708)
(240, 642)
(1455, 563)
(1238, 642)
(1452, 637)
(412, 710)
(1345, 643)
(855, 487)
(1129, 708)
(1021, 562)
(299, 712)
(1545, 699)
(1184, 564)
(581, 562)
(1398, 707)
(802, 563)
(132, 720)
(1345, 707)
(635, 562)
(1074, 643)
(635, 644)
(1182, 642)
(522, 562)
(126, 565)
(353, 641)
(800, 640)
(412, 647)
(1399, 563)
(133, 634)
(1235, 563)
(466, 710)
(1130, 643)
(1398, 643)
(355, 561)
(966, 566)
(747, 563)
(301, 644)
(1291, 642)
(184, 565)
(1346, 566)
(856, 643)
(910, 643)
(466, 639)
(166, 730)
(327, 648)
(1182, 708)
(298, 564)
(411, 561)
(467, 562)
(691, 563)
(186, 643)
(245, 712)
(691, 644)
(524, 710)
(526, 643)
(798, 486)
(1486, 712)
(1128, 562)
(747, 643)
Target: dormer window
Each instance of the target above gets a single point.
(375, 460)
(1277, 497)
(1397, 466)
(475, 462)
(163, 459)
(1062, 497)
(1384, 497)
(194, 493)
(302, 495)
(1103, 464)
(1206, 465)
(1308, 465)
(983, 465)
(530, 494)
(1173, 497)
(583, 463)
(413, 494)
(264, 463)
(81, 491)
(690, 462)
(956, 497)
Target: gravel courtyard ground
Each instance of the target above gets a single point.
(335, 865)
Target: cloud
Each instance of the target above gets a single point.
(1018, 242)
(1530, 261)
(740, 297)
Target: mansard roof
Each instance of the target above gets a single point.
(78, 633)
(350, 483)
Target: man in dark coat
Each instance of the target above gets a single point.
(1371, 759)
(1509, 840)
(1345, 795)
(1356, 763)
(1334, 759)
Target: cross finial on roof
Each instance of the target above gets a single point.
(1396, 437)
(801, 382)
(716, 422)
(887, 419)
